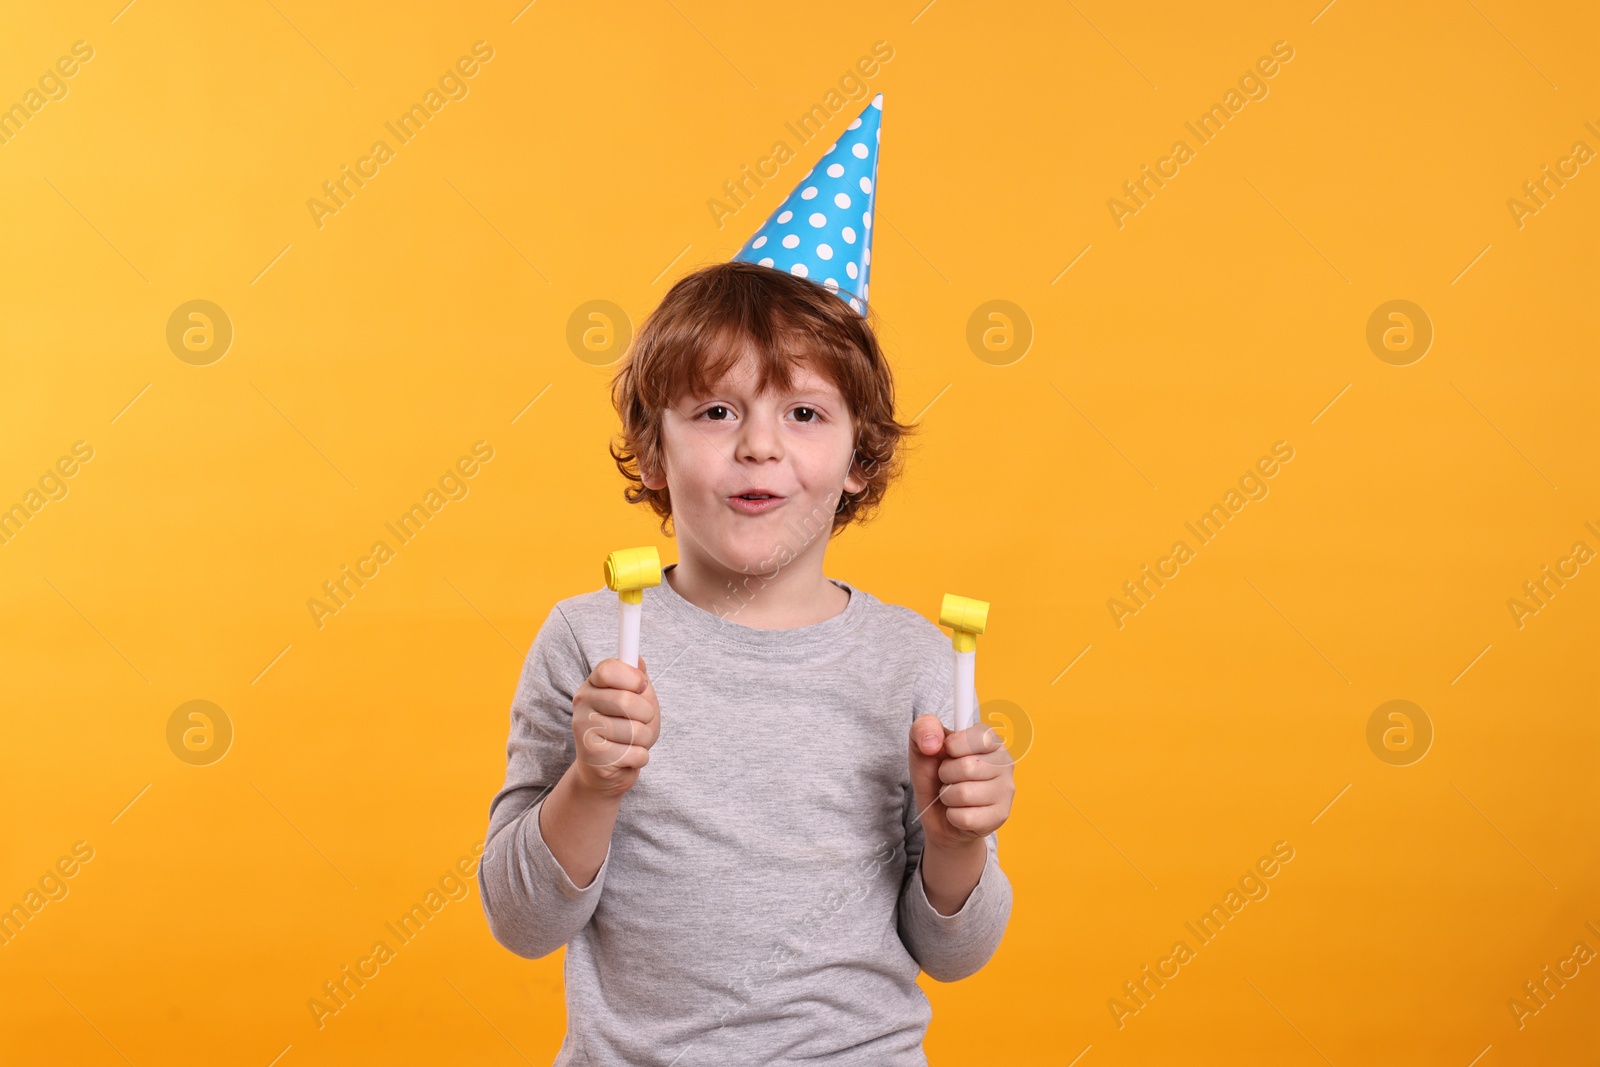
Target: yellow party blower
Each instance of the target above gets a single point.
(628, 572)
(966, 618)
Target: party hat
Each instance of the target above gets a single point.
(823, 230)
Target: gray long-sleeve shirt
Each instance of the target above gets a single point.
(760, 901)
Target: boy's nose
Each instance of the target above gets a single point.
(760, 441)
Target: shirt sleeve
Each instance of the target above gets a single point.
(532, 905)
(949, 947)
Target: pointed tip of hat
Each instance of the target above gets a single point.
(823, 229)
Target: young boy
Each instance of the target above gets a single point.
(753, 841)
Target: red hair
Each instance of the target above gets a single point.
(713, 317)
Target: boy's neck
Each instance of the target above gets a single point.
(797, 595)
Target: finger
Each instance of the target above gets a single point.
(972, 795)
(925, 744)
(621, 704)
(593, 727)
(969, 769)
(977, 739)
(612, 673)
(610, 754)
(610, 743)
(975, 821)
(928, 735)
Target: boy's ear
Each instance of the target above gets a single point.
(853, 480)
(651, 479)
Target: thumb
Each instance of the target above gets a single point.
(643, 676)
(926, 748)
(927, 735)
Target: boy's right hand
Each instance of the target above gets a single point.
(615, 720)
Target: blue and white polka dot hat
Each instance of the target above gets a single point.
(823, 230)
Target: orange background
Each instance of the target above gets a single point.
(1229, 313)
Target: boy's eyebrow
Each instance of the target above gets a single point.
(824, 394)
(818, 386)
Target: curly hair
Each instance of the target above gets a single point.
(710, 319)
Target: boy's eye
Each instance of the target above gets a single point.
(721, 413)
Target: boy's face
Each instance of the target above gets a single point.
(795, 445)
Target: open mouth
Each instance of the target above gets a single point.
(755, 503)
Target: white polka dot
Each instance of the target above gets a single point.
(790, 241)
(850, 269)
(854, 303)
(831, 148)
(877, 101)
(759, 241)
(831, 283)
(866, 256)
(819, 220)
(767, 262)
(842, 199)
(866, 185)
(864, 288)
(807, 174)
(849, 236)
(799, 268)
(854, 124)
(835, 170)
(825, 251)
(786, 216)
(808, 192)
(859, 150)
(866, 220)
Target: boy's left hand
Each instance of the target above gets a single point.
(962, 781)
